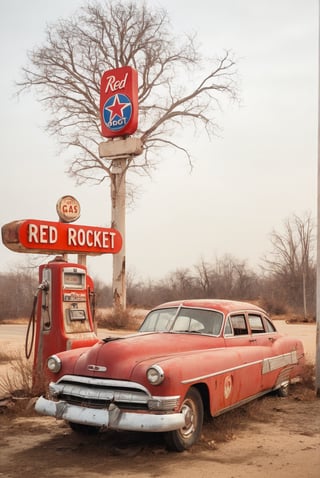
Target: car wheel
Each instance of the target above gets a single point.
(83, 429)
(184, 438)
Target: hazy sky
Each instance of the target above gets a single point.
(260, 170)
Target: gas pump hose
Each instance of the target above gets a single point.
(31, 328)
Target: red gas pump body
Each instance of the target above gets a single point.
(64, 318)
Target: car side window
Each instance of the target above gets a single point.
(269, 325)
(239, 324)
(256, 323)
(228, 327)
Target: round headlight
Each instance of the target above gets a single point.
(155, 375)
(54, 364)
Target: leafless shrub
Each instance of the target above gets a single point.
(17, 379)
(128, 319)
(274, 306)
(309, 375)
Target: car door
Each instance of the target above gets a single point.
(260, 335)
(261, 330)
(245, 374)
(264, 337)
(236, 332)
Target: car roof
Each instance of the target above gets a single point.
(222, 305)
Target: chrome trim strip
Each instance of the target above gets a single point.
(280, 361)
(221, 372)
(268, 365)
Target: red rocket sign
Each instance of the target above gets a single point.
(44, 237)
(119, 102)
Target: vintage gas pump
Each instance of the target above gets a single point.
(63, 315)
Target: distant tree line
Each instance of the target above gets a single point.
(17, 290)
(286, 281)
(230, 278)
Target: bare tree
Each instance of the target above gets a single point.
(21, 285)
(226, 277)
(177, 86)
(291, 261)
(204, 273)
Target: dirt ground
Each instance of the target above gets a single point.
(271, 436)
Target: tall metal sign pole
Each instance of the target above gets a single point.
(318, 234)
(119, 119)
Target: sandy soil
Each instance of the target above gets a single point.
(271, 436)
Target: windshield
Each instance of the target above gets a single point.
(184, 319)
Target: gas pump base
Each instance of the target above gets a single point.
(113, 418)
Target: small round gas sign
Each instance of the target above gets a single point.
(68, 209)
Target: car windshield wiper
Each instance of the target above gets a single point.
(111, 339)
(187, 331)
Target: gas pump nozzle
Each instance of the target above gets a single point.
(43, 286)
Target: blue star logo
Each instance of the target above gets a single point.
(117, 112)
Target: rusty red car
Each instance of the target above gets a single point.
(189, 358)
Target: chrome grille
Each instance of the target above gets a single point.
(98, 393)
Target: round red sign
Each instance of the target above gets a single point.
(68, 209)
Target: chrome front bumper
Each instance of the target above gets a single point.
(114, 418)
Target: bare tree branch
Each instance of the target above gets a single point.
(174, 87)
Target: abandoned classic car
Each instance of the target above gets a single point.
(188, 357)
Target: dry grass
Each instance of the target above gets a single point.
(225, 427)
(308, 378)
(129, 319)
(16, 321)
(17, 377)
(6, 356)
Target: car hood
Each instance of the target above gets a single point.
(117, 357)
